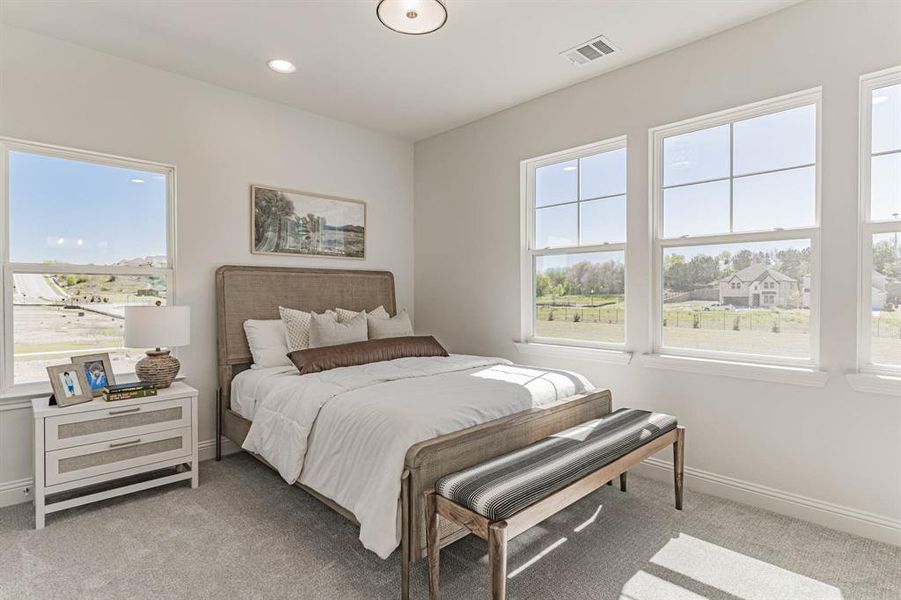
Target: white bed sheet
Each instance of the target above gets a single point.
(344, 433)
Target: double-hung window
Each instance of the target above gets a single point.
(880, 233)
(735, 205)
(83, 236)
(574, 250)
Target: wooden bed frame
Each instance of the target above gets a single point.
(245, 292)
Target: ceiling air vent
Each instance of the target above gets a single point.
(591, 50)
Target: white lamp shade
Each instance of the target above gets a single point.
(157, 326)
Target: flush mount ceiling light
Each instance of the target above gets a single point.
(412, 17)
(280, 65)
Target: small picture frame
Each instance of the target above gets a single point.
(98, 371)
(70, 386)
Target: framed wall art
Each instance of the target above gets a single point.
(306, 224)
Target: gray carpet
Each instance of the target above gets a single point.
(246, 534)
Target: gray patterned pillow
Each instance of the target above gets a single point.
(345, 315)
(399, 326)
(326, 331)
(297, 326)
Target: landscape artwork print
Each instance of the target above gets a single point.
(290, 222)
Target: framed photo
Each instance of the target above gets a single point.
(301, 223)
(97, 370)
(69, 384)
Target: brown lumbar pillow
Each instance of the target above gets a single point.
(314, 360)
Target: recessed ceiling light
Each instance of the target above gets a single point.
(280, 65)
(413, 17)
(136, 180)
(569, 168)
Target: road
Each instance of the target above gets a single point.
(35, 289)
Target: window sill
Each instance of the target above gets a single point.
(872, 383)
(803, 376)
(602, 355)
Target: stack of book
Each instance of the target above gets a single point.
(127, 391)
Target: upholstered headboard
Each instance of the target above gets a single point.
(256, 293)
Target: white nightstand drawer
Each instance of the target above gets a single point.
(112, 422)
(79, 462)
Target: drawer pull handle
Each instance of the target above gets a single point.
(128, 443)
(125, 411)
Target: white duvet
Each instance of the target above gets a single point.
(345, 432)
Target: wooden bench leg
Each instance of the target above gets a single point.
(497, 559)
(434, 546)
(622, 481)
(679, 464)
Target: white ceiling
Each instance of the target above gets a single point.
(492, 54)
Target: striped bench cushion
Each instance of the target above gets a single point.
(509, 483)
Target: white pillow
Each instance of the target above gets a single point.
(297, 327)
(345, 315)
(267, 342)
(326, 331)
(399, 326)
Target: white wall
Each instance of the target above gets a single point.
(831, 455)
(220, 141)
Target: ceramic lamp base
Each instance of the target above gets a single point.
(158, 368)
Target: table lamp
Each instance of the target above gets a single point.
(157, 327)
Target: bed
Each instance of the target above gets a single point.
(245, 292)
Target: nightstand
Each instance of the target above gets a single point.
(82, 452)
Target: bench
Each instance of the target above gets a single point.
(505, 496)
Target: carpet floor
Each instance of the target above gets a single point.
(246, 534)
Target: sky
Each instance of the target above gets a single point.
(568, 213)
(83, 213)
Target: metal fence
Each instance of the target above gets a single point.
(580, 314)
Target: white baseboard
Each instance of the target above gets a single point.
(19, 491)
(843, 518)
(206, 450)
(16, 492)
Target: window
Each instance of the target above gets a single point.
(735, 204)
(880, 209)
(85, 236)
(574, 251)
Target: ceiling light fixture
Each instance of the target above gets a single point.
(280, 65)
(412, 17)
(136, 180)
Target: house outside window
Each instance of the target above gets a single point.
(735, 209)
(573, 251)
(86, 236)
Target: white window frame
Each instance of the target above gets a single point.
(7, 145)
(529, 254)
(656, 135)
(867, 227)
